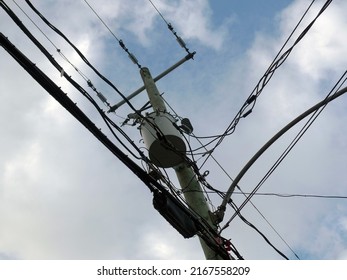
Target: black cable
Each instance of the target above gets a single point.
(74, 110)
(73, 82)
(294, 141)
(282, 195)
(261, 234)
(277, 62)
(210, 235)
(221, 209)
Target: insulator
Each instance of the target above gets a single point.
(133, 58)
(181, 42)
(102, 97)
(121, 44)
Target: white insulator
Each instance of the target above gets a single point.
(133, 58)
(181, 42)
(102, 97)
(167, 149)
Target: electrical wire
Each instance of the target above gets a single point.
(82, 56)
(294, 141)
(262, 234)
(288, 195)
(89, 82)
(221, 194)
(171, 28)
(249, 104)
(313, 109)
(284, 195)
(121, 43)
(107, 120)
(205, 231)
(85, 1)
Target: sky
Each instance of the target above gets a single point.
(65, 196)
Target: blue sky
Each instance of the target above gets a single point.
(64, 196)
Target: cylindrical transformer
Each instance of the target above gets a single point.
(163, 140)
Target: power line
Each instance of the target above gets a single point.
(107, 120)
(249, 104)
(288, 195)
(263, 235)
(284, 195)
(82, 56)
(222, 195)
(89, 82)
(171, 28)
(121, 43)
(221, 209)
(294, 141)
(206, 232)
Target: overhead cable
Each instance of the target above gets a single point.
(204, 230)
(303, 130)
(231, 189)
(171, 28)
(121, 43)
(107, 120)
(89, 82)
(81, 55)
(249, 104)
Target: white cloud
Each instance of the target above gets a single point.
(63, 195)
(323, 52)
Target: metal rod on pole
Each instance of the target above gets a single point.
(157, 78)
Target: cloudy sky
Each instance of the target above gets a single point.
(65, 196)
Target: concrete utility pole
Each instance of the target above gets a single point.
(187, 178)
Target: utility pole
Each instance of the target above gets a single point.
(187, 178)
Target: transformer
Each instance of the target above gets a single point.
(163, 140)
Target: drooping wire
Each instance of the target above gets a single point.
(314, 116)
(121, 43)
(286, 195)
(171, 28)
(289, 195)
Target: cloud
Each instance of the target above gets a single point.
(62, 194)
(323, 54)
